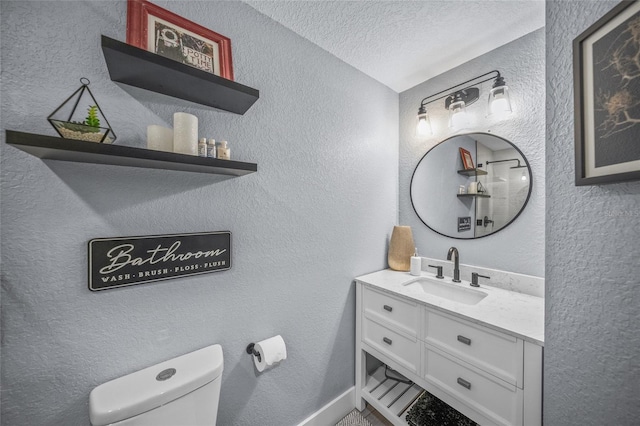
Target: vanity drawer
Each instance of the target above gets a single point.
(401, 315)
(403, 350)
(495, 399)
(494, 352)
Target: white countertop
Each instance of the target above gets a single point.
(517, 314)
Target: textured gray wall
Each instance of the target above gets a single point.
(318, 212)
(592, 332)
(520, 246)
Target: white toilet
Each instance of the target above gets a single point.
(182, 391)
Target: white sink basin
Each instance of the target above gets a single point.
(447, 290)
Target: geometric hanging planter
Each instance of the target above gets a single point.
(80, 117)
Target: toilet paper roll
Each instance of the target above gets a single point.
(159, 138)
(185, 133)
(271, 350)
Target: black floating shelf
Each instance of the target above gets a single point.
(474, 195)
(472, 172)
(55, 148)
(136, 67)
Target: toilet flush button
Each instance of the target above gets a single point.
(166, 374)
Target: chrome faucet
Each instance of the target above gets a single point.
(456, 263)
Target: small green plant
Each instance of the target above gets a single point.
(92, 117)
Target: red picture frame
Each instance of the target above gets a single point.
(467, 159)
(177, 38)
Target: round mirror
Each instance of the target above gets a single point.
(470, 186)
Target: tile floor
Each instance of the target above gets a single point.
(374, 417)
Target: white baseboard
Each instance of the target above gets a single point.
(334, 411)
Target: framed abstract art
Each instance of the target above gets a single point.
(606, 65)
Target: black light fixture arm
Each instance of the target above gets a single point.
(448, 92)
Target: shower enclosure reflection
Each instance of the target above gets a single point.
(495, 191)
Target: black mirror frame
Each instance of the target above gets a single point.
(526, 201)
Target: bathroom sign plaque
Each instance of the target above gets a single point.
(120, 262)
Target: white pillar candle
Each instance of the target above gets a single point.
(185, 133)
(159, 138)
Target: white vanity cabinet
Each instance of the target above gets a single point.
(491, 376)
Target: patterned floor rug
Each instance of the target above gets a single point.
(431, 411)
(354, 418)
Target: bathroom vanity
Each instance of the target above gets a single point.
(479, 349)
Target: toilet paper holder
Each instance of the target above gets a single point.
(252, 351)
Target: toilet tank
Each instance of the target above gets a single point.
(182, 391)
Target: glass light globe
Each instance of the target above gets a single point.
(423, 126)
(458, 118)
(499, 103)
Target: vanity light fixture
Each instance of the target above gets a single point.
(456, 101)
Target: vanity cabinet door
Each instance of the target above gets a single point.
(401, 315)
(494, 352)
(405, 351)
(495, 399)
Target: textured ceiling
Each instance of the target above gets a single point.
(403, 43)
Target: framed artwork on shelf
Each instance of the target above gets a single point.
(606, 69)
(160, 31)
(467, 160)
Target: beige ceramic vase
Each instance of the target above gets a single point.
(401, 248)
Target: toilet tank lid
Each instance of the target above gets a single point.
(154, 386)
